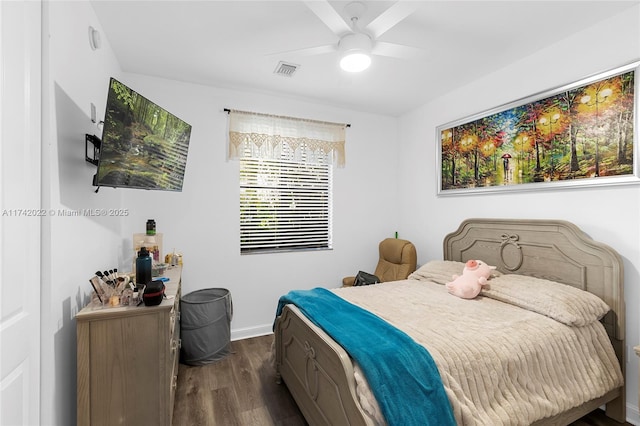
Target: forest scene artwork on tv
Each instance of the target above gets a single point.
(143, 145)
(583, 133)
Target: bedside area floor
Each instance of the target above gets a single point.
(241, 390)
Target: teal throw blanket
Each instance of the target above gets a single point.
(401, 373)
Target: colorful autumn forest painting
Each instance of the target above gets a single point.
(582, 133)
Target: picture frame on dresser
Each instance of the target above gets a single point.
(579, 134)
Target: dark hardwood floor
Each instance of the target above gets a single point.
(240, 390)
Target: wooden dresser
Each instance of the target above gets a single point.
(128, 361)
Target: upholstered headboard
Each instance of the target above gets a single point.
(552, 249)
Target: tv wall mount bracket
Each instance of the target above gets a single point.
(96, 143)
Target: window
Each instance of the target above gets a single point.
(285, 180)
(284, 206)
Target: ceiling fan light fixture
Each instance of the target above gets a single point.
(355, 62)
(356, 50)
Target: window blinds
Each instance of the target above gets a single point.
(284, 206)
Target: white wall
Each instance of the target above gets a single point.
(607, 214)
(73, 248)
(202, 221)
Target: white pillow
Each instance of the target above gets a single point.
(441, 271)
(437, 271)
(564, 303)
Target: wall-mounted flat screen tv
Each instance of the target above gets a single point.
(143, 145)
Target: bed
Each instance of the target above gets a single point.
(328, 385)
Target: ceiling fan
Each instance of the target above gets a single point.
(357, 44)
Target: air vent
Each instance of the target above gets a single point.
(286, 69)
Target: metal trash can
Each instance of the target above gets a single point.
(205, 326)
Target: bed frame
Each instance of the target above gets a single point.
(319, 373)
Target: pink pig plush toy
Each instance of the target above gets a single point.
(474, 276)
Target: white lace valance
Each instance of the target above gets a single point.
(262, 136)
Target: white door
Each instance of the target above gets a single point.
(20, 154)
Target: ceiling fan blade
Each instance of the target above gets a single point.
(390, 17)
(309, 51)
(393, 50)
(329, 16)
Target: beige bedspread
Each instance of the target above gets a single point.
(500, 364)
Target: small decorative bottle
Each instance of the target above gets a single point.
(151, 227)
(151, 240)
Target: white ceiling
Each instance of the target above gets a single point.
(235, 44)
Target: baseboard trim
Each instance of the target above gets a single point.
(247, 333)
(633, 416)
